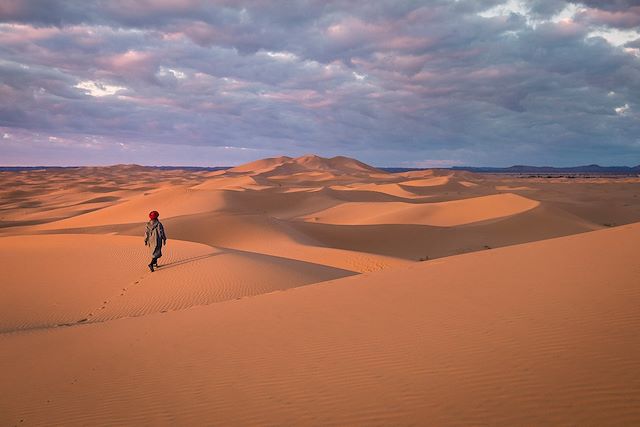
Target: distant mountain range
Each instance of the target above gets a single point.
(622, 170)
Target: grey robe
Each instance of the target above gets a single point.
(154, 237)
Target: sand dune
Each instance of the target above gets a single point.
(259, 165)
(254, 233)
(419, 173)
(418, 242)
(444, 214)
(229, 182)
(56, 279)
(311, 169)
(40, 196)
(427, 182)
(68, 279)
(290, 294)
(388, 189)
(171, 202)
(306, 177)
(445, 342)
(338, 163)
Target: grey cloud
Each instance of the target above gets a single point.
(634, 43)
(546, 8)
(611, 4)
(48, 12)
(377, 80)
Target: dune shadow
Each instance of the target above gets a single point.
(187, 261)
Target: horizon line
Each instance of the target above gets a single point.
(379, 167)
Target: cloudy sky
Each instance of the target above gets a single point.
(392, 83)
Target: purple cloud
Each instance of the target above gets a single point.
(479, 82)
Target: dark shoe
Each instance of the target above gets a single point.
(151, 267)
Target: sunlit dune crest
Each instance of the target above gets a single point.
(442, 214)
(428, 182)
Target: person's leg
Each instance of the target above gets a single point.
(153, 260)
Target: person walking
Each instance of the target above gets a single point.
(155, 238)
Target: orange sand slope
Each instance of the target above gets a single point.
(335, 212)
(31, 197)
(443, 214)
(229, 332)
(543, 333)
(428, 182)
(171, 202)
(54, 280)
(60, 279)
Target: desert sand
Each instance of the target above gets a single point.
(313, 291)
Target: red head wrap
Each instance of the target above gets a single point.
(154, 214)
